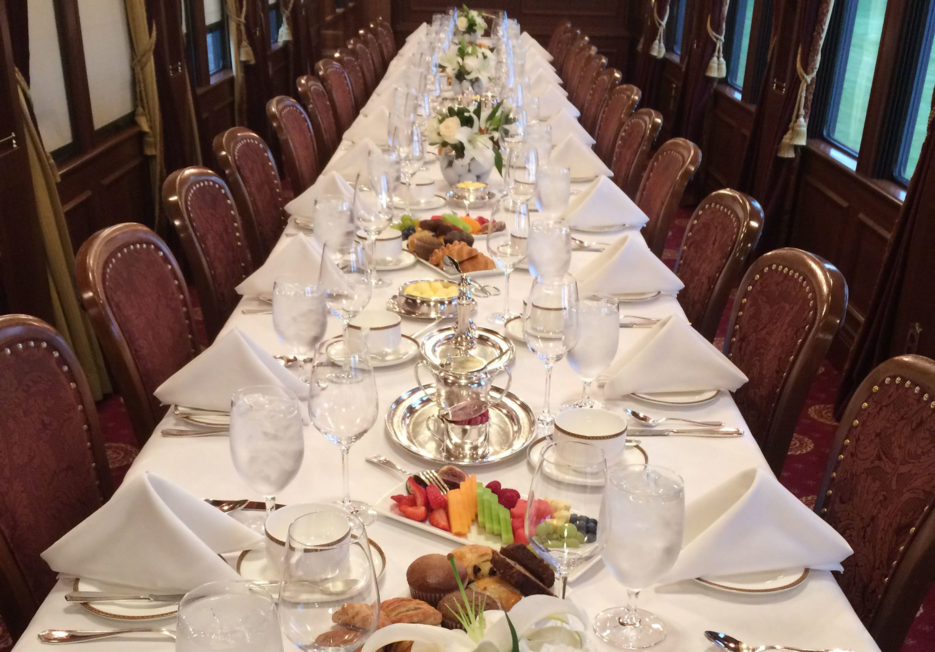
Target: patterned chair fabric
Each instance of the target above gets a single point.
(372, 43)
(352, 66)
(384, 34)
(577, 55)
(202, 209)
(560, 29)
(54, 472)
(620, 104)
(788, 308)
(632, 149)
(130, 283)
(563, 48)
(339, 89)
(660, 190)
(878, 492)
(321, 114)
(254, 182)
(367, 65)
(719, 237)
(580, 84)
(604, 82)
(296, 142)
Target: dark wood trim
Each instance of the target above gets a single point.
(198, 38)
(76, 74)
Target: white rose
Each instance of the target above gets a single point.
(481, 24)
(448, 129)
(470, 63)
(462, 23)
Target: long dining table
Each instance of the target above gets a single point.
(814, 615)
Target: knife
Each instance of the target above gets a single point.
(105, 596)
(685, 432)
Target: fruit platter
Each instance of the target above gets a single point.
(431, 239)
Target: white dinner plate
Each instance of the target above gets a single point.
(123, 610)
(430, 204)
(514, 330)
(402, 261)
(604, 228)
(636, 297)
(754, 583)
(632, 454)
(253, 565)
(679, 398)
(408, 349)
(585, 178)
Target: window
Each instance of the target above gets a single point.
(919, 105)
(275, 21)
(737, 40)
(859, 44)
(216, 36)
(675, 26)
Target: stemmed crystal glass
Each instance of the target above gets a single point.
(571, 475)
(343, 407)
(299, 315)
(327, 566)
(345, 279)
(266, 441)
(598, 337)
(550, 328)
(507, 247)
(641, 523)
(522, 168)
(553, 189)
(372, 220)
(235, 616)
(411, 152)
(549, 248)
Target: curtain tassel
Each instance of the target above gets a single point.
(658, 49)
(799, 131)
(285, 34)
(786, 149)
(717, 67)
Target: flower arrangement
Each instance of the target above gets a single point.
(471, 132)
(467, 63)
(470, 22)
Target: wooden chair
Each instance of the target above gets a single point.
(321, 114)
(54, 472)
(138, 303)
(577, 55)
(879, 493)
(340, 92)
(719, 237)
(620, 104)
(296, 142)
(254, 182)
(563, 48)
(633, 147)
(372, 43)
(604, 82)
(367, 66)
(202, 209)
(352, 66)
(580, 84)
(561, 28)
(788, 308)
(660, 191)
(384, 33)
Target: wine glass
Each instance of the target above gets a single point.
(507, 247)
(550, 328)
(521, 170)
(343, 407)
(598, 337)
(345, 279)
(411, 151)
(235, 616)
(327, 571)
(372, 220)
(563, 529)
(266, 439)
(641, 523)
(553, 189)
(299, 315)
(549, 248)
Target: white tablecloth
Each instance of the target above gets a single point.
(813, 615)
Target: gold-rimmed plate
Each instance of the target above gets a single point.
(636, 297)
(679, 398)
(402, 261)
(603, 228)
(758, 583)
(253, 565)
(123, 610)
(633, 454)
(408, 349)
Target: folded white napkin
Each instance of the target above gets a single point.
(579, 159)
(372, 126)
(627, 266)
(541, 81)
(533, 45)
(603, 203)
(300, 256)
(152, 535)
(553, 100)
(671, 357)
(417, 32)
(750, 523)
(333, 183)
(233, 361)
(536, 67)
(563, 124)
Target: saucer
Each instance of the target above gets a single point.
(253, 565)
(678, 398)
(632, 454)
(429, 204)
(757, 583)
(403, 260)
(407, 349)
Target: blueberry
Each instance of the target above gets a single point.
(590, 537)
(408, 231)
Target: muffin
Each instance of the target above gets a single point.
(475, 559)
(430, 577)
(453, 604)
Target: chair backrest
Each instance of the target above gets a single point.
(366, 36)
(385, 36)
(352, 66)
(604, 82)
(138, 303)
(719, 237)
(202, 209)
(296, 142)
(580, 50)
(54, 472)
(631, 151)
(620, 103)
(367, 66)
(661, 188)
(339, 89)
(788, 308)
(580, 84)
(563, 47)
(318, 107)
(561, 28)
(878, 494)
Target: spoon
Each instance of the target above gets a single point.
(227, 505)
(79, 635)
(656, 421)
(728, 642)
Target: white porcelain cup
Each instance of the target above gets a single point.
(389, 245)
(602, 428)
(384, 330)
(331, 529)
(423, 187)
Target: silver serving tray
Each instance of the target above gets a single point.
(512, 428)
(489, 345)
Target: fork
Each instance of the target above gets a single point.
(428, 476)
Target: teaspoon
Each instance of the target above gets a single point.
(728, 642)
(655, 421)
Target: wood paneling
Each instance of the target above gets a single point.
(729, 123)
(215, 108)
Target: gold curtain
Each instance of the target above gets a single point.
(70, 320)
(241, 53)
(148, 116)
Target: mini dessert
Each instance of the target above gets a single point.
(422, 243)
(430, 577)
(529, 560)
(475, 559)
(338, 638)
(410, 610)
(517, 576)
(469, 258)
(358, 615)
(454, 604)
(498, 589)
(431, 290)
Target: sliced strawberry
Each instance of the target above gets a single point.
(439, 518)
(519, 509)
(436, 217)
(436, 499)
(508, 498)
(494, 486)
(415, 513)
(415, 489)
(481, 220)
(404, 499)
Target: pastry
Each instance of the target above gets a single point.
(338, 638)
(422, 243)
(529, 560)
(410, 610)
(478, 263)
(475, 559)
(358, 615)
(460, 251)
(453, 604)
(430, 577)
(514, 574)
(496, 588)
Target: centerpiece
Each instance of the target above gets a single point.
(468, 141)
(470, 23)
(469, 64)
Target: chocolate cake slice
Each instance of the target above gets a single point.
(529, 560)
(517, 576)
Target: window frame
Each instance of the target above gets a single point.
(913, 100)
(842, 52)
(674, 44)
(274, 6)
(732, 41)
(196, 43)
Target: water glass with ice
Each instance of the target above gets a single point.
(230, 617)
(598, 337)
(548, 250)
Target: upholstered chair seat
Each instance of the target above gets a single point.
(604, 82)
(620, 104)
(321, 114)
(340, 92)
(563, 47)
(633, 147)
(580, 84)
(296, 142)
(367, 66)
(347, 59)
(372, 43)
